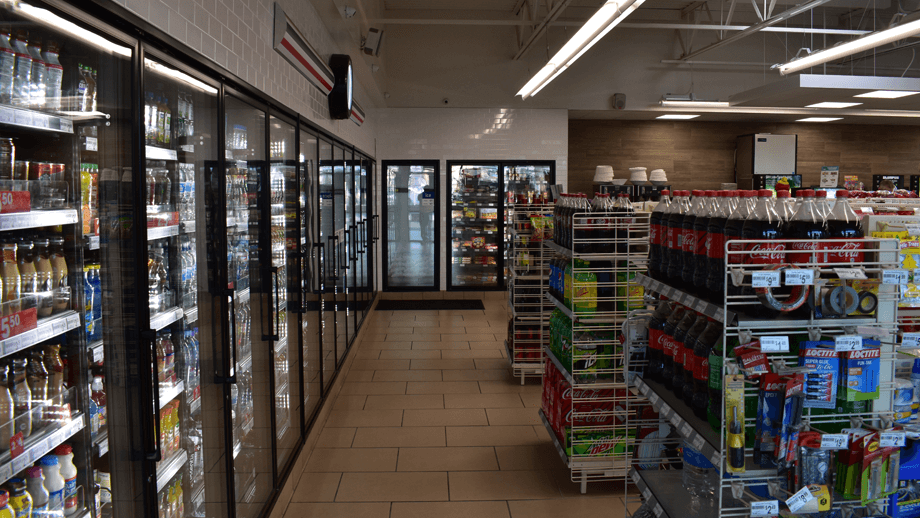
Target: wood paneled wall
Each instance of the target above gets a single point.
(700, 155)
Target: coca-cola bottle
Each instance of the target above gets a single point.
(624, 214)
(733, 231)
(784, 205)
(844, 223)
(687, 242)
(655, 334)
(711, 277)
(668, 342)
(705, 342)
(821, 203)
(581, 218)
(764, 226)
(599, 221)
(655, 235)
(676, 379)
(806, 224)
(695, 255)
(683, 381)
(675, 232)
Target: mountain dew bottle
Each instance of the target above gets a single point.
(584, 288)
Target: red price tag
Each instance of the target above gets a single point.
(16, 445)
(18, 323)
(15, 201)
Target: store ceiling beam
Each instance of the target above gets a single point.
(538, 31)
(785, 15)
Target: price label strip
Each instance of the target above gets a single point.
(699, 442)
(891, 439)
(800, 277)
(765, 279)
(835, 441)
(845, 343)
(774, 344)
(910, 340)
(897, 277)
(765, 508)
(850, 274)
(798, 500)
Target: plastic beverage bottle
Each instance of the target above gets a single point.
(675, 238)
(733, 230)
(167, 122)
(98, 397)
(714, 409)
(44, 274)
(7, 67)
(655, 235)
(703, 347)
(22, 397)
(96, 284)
(28, 275)
(64, 454)
(694, 239)
(7, 409)
(54, 75)
(169, 359)
(38, 384)
(584, 288)
(161, 121)
(161, 359)
(806, 223)
(687, 238)
(696, 276)
(11, 280)
(567, 288)
(682, 382)
(713, 243)
(55, 367)
(92, 88)
(783, 205)
(59, 273)
(89, 317)
(655, 335)
(700, 480)
(580, 224)
(844, 223)
(624, 211)
(35, 484)
(37, 92)
(766, 227)
(598, 222)
(20, 499)
(54, 482)
(22, 77)
(6, 511)
(821, 203)
(669, 342)
(149, 119)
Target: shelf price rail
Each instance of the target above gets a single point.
(743, 322)
(589, 408)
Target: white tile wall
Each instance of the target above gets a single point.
(237, 35)
(470, 134)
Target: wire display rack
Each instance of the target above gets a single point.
(660, 489)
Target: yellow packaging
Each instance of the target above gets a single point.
(734, 422)
(821, 502)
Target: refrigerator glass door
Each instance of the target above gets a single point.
(329, 262)
(285, 294)
(252, 310)
(180, 117)
(310, 278)
(475, 203)
(362, 239)
(351, 249)
(409, 229)
(341, 201)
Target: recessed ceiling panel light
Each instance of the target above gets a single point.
(832, 105)
(887, 94)
(820, 119)
(677, 116)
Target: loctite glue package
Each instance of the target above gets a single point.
(793, 405)
(859, 376)
(769, 418)
(822, 376)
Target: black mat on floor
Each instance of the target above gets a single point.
(427, 305)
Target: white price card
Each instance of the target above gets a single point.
(802, 497)
(665, 409)
(699, 442)
(891, 439)
(92, 144)
(98, 354)
(910, 340)
(898, 277)
(635, 477)
(844, 343)
(765, 508)
(774, 344)
(686, 429)
(797, 277)
(834, 441)
(912, 229)
(850, 274)
(765, 279)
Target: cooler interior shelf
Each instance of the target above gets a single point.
(25, 118)
(47, 328)
(38, 447)
(37, 219)
(168, 468)
(169, 393)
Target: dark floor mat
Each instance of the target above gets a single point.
(427, 305)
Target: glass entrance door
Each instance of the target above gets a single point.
(410, 232)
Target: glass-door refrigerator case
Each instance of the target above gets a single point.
(475, 233)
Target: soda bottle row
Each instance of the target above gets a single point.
(688, 233)
(159, 186)
(92, 300)
(31, 74)
(588, 286)
(33, 274)
(171, 502)
(680, 343)
(598, 227)
(32, 390)
(49, 487)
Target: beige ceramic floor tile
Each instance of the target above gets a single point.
(370, 345)
(432, 375)
(470, 337)
(355, 375)
(479, 326)
(476, 375)
(334, 510)
(609, 507)
(473, 353)
(486, 363)
(404, 401)
(513, 416)
(491, 436)
(374, 387)
(359, 418)
(404, 337)
(534, 457)
(449, 510)
(390, 487)
(367, 354)
(494, 344)
(445, 417)
(542, 433)
(440, 345)
(532, 400)
(350, 402)
(442, 364)
(396, 327)
(498, 485)
(482, 401)
(420, 323)
(501, 387)
(316, 487)
(379, 365)
(410, 355)
(407, 437)
(442, 387)
(459, 312)
(336, 438)
(447, 459)
(352, 459)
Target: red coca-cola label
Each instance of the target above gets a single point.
(701, 369)
(670, 238)
(689, 361)
(678, 352)
(653, 231)
(668, 344)
(700, 240)
(688, 243)
(654, 339)
(715, 245)
(802, 252)
(766, 252)
(848, 252)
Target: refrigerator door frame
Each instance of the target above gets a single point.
(500, 207)
(383, 230)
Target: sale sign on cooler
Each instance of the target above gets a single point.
(18, 323)
(15, 201)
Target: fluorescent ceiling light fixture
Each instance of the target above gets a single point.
(695, 104)
(886, 94)
(820, 119)
(867, 42)
(46, 17)
(677, 116)
(603, 21)
(181, 76)
(832, 105)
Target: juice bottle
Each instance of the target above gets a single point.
(161, 360)
(11, 280)
(161, 121)
(177, 434)
(167, 122)
(7, 408)
(5, 510)
(36, 487)
(64, 454)
(55, 367)
(28, 275)
(181, 509)
(88, 317)
(59, 274)
(85, 185)
(96, 284)
(98, 397)
(37, 377)
(172, 504)
(54, 482)
(20, 499)
(44, 274)
(22, 397)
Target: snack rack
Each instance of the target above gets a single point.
(737, 493)
(588, 407)
(528, 326)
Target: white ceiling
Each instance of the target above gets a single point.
(464, 5)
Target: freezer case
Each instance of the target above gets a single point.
(475, 233)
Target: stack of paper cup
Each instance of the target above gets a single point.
(603, 174)
(637, 175)
(658, 177)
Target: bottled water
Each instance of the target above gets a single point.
(699, 474)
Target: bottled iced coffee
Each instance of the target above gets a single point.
(11, 280)
(22, 396)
